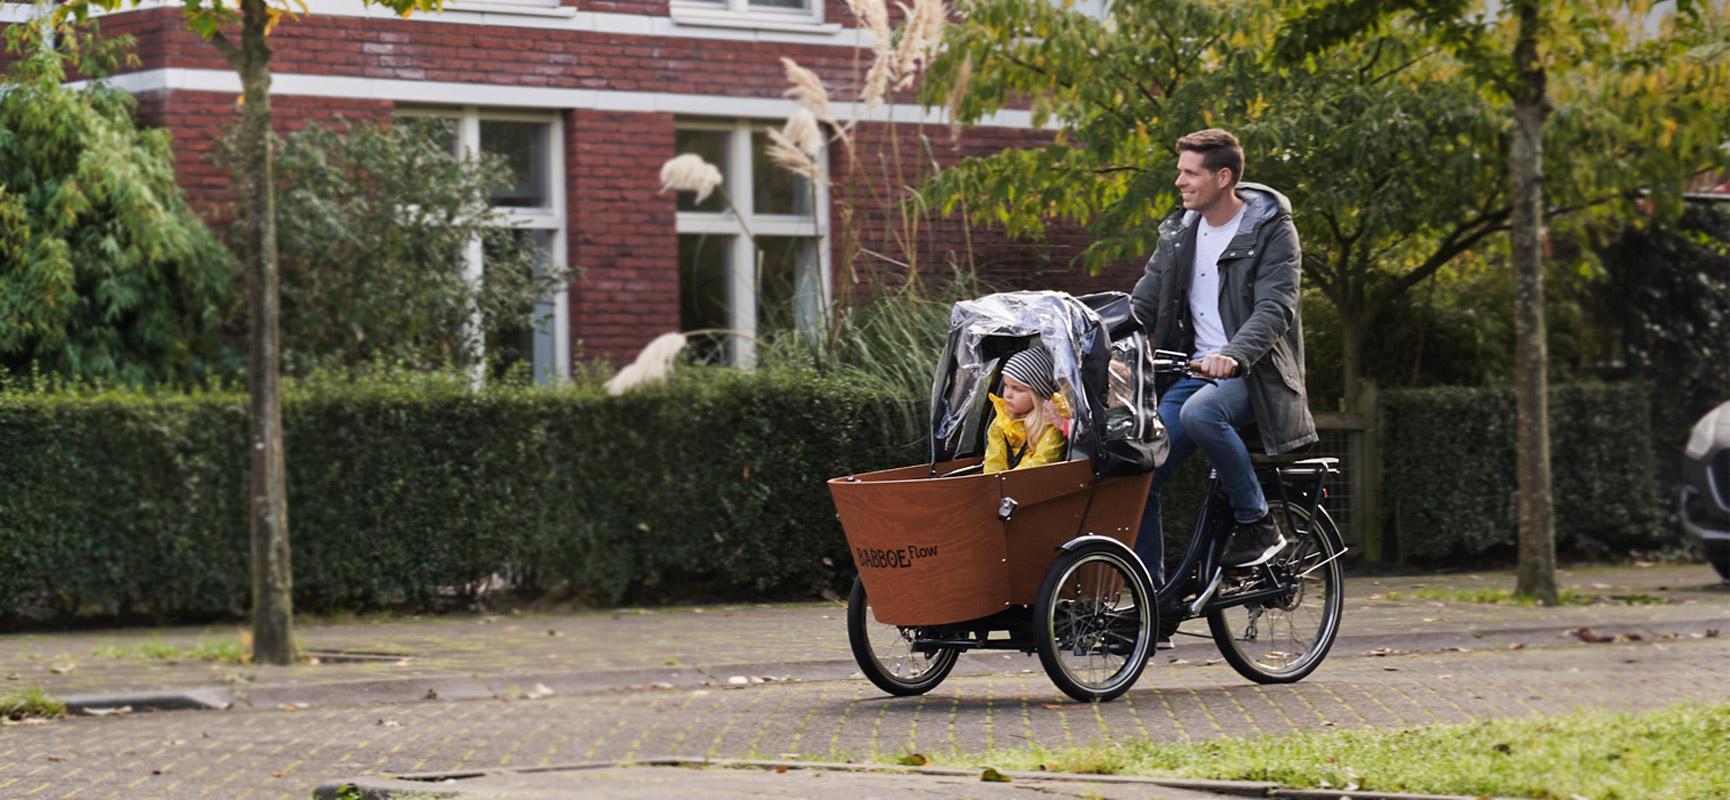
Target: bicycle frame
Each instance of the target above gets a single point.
(1208, 537)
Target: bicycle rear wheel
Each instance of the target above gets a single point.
(1284, 639)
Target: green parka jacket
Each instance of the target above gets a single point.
(1258, 305)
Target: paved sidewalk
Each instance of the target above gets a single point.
(627, 685)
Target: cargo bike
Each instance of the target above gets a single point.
(1041, 559)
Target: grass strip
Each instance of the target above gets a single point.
(29, 703)
(1564, 597)
(232, 651)
(1678, 752)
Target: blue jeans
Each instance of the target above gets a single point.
(1199, 414)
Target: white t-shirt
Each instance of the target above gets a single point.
(1204, 284)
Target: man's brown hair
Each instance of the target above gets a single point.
(1219, 150)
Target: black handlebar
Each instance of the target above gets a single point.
(1172, 361)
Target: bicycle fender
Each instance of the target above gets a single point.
(1304, 500)
(1090, 538)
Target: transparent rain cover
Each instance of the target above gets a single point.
(1065, 326)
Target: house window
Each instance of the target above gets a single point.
(759, 268)
(533, 207)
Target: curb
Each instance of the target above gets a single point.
(437, 783)
(202, 699)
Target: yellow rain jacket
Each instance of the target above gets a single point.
(1009, 435)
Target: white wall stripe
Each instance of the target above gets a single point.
(563, 18)
(496, 96)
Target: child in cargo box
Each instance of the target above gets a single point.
(1032, 425)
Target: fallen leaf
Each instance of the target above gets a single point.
(991, 775)
(1588, 635)
(1502, 748)
(538, 692)
(1517, 646)
(62, 669)
(913, 760)
(58, 759)
(780, 769)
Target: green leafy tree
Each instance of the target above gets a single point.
(240, 30)
(1338, 133)
(373, 224)
(104, 271)
(1637, 100)
(1380, 139)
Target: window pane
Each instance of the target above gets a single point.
(712, 146)
(524, 148)
(789, 285)
(781, 5)
(523, 340)
(440, 131)
(703, 283)
(778, 190)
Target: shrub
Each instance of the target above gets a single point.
(409, 494)
(1450, 487)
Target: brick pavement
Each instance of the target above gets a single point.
(1004, 702)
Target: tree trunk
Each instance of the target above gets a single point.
(272, 581)
(1537, 571)
(1351, 355)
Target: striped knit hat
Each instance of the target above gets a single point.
(1033, 368)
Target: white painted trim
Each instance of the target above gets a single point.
(561, 321)
(492, 95)
(786, 31)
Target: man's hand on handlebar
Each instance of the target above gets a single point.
(1214, 365)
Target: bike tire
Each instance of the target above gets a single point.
(1316, 546)
(909, 673)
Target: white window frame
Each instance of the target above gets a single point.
(741, 14)
(741, 258)
(546, 218)
(500, 5)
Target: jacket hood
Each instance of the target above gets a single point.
(1261, 203)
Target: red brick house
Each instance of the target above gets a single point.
(587, 98)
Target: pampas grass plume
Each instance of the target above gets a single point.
(807, 90)
(690, 173)
(653, 364)
(797, 145)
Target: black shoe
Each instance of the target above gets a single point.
(1253, 543)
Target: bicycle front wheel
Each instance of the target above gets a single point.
(1094, 620)
(886, 653)
(1283, 639)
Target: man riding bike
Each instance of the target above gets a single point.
(1222, 284)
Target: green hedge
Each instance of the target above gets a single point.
(403, 496)
(407, 495)
(1451, 491)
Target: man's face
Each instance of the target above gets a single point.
(1200, 186)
